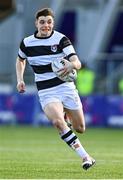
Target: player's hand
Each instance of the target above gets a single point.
(66, 69)
(21, 87)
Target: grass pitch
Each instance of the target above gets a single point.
(39, 153)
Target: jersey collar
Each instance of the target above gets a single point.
(35, 35)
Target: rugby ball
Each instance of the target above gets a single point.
(59, 64)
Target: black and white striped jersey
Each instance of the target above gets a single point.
(40, 52)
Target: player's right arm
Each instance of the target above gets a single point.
(20, 68)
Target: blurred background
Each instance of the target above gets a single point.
(95, 27)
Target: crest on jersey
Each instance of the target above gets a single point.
(54, 48)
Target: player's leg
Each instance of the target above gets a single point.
(78, 123)
(54, 111)
(77, 119)
(67, 119)
(73, 107)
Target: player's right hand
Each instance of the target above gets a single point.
(21, 87)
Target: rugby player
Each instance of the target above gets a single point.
(55, 95)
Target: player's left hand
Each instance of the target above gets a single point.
(66, 69)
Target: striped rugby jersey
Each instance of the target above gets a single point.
(40, 52)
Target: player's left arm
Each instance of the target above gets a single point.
(69, 51)
(75, 62)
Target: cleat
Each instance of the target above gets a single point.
(87, 163)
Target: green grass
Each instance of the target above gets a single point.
(38, 153)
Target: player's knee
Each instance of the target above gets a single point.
(57, 123)
(80, 129)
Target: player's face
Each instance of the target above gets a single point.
(44, 26)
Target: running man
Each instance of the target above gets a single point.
(55, 95)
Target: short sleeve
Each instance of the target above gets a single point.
(64, 42)
(22, 50)
(67, 47)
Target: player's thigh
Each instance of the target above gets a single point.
(54, 110)
(77, 119)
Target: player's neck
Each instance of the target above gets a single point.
(40, 36)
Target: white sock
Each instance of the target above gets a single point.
(71, 139)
